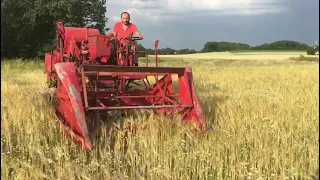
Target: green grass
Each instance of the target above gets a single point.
(264, 116)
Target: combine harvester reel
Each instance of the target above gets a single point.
(94, 73)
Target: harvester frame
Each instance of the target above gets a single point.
(93, 73)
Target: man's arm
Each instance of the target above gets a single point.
(113, 33)
(137, 33)
(110, 34)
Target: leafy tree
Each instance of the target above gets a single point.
(28, 26)
(224, 46)
(282, 45)
(150, 51)
(140, 48)
(186, 51)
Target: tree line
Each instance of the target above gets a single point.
(166, 51)
(232, 46)
(277, 45)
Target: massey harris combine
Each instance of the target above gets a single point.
(92, 72)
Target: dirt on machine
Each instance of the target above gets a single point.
(94, 73)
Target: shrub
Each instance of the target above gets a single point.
(311, 51)
(303, 58)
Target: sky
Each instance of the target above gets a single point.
(191, 23)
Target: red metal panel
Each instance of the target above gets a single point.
(73, 113)
(51, 59)
(79, 34)
(188, 95)
(57, 59)
(47, 63)
(99, 46)
(72, 49)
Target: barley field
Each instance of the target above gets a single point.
(262, 124)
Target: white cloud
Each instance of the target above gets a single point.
(158, 11)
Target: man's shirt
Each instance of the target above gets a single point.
(121, 33)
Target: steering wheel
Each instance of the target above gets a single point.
(123, 50)
(129, 39)
(132, 38)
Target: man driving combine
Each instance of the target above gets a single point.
(125, 29)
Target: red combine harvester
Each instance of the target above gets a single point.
(92, 72)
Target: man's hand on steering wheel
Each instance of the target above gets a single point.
(133, 38)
